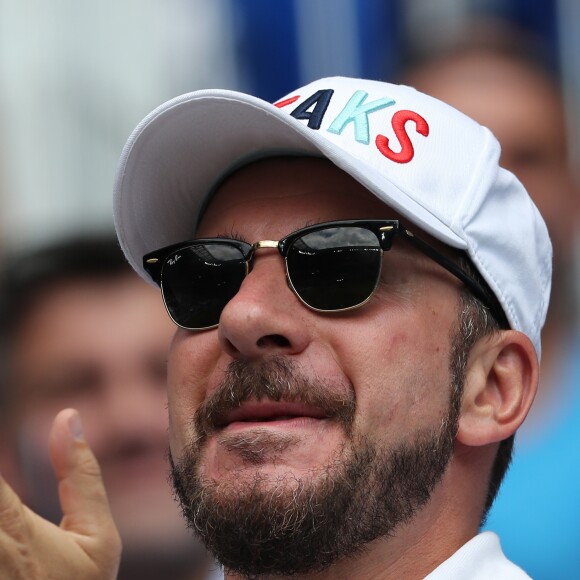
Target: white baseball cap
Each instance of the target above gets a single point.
(426, 160)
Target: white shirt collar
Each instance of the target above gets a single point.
(479, 559)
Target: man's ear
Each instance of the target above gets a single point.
(501, 381)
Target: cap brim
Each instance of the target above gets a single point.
(178, 152)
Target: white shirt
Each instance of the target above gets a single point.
(480, 559)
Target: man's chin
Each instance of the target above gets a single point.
(271, 518)
(272, 453)
(258, 521)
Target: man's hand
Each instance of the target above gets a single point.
(86, 545)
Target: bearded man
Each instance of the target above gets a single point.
(359, 290)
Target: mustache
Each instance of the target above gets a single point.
(275, 378)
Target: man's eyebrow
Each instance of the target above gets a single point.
(236, 235)
(232, 235)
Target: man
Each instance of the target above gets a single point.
(328, 418)
(79, 328)
(511, 93)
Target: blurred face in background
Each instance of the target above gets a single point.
(100, 346)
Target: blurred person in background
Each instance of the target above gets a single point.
(81, 329)
(497, 78)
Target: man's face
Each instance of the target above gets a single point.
(310, 403)
(101, 346)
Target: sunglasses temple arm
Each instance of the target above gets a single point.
(487, 298)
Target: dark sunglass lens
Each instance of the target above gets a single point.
(335, 268)
(199, 280)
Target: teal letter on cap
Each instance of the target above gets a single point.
(357, 112)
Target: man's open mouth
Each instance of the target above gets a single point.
(268, 411)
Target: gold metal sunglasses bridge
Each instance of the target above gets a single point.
(265, 244)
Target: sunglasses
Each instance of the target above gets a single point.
(331, 267)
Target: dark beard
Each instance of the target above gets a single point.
(285, 525)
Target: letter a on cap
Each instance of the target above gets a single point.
(321, 99)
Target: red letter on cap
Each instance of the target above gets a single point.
(398, 122)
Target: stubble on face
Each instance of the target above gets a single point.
(287, 525)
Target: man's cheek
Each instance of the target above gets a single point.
(180, 433)
(378, 419)
(195, 357)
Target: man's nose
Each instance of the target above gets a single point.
(265, 317)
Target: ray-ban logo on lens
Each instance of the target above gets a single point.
(172, 261)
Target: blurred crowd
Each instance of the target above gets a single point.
(79, 328)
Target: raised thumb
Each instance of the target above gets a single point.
(83, 499)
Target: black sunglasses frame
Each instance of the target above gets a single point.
(385, 231)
